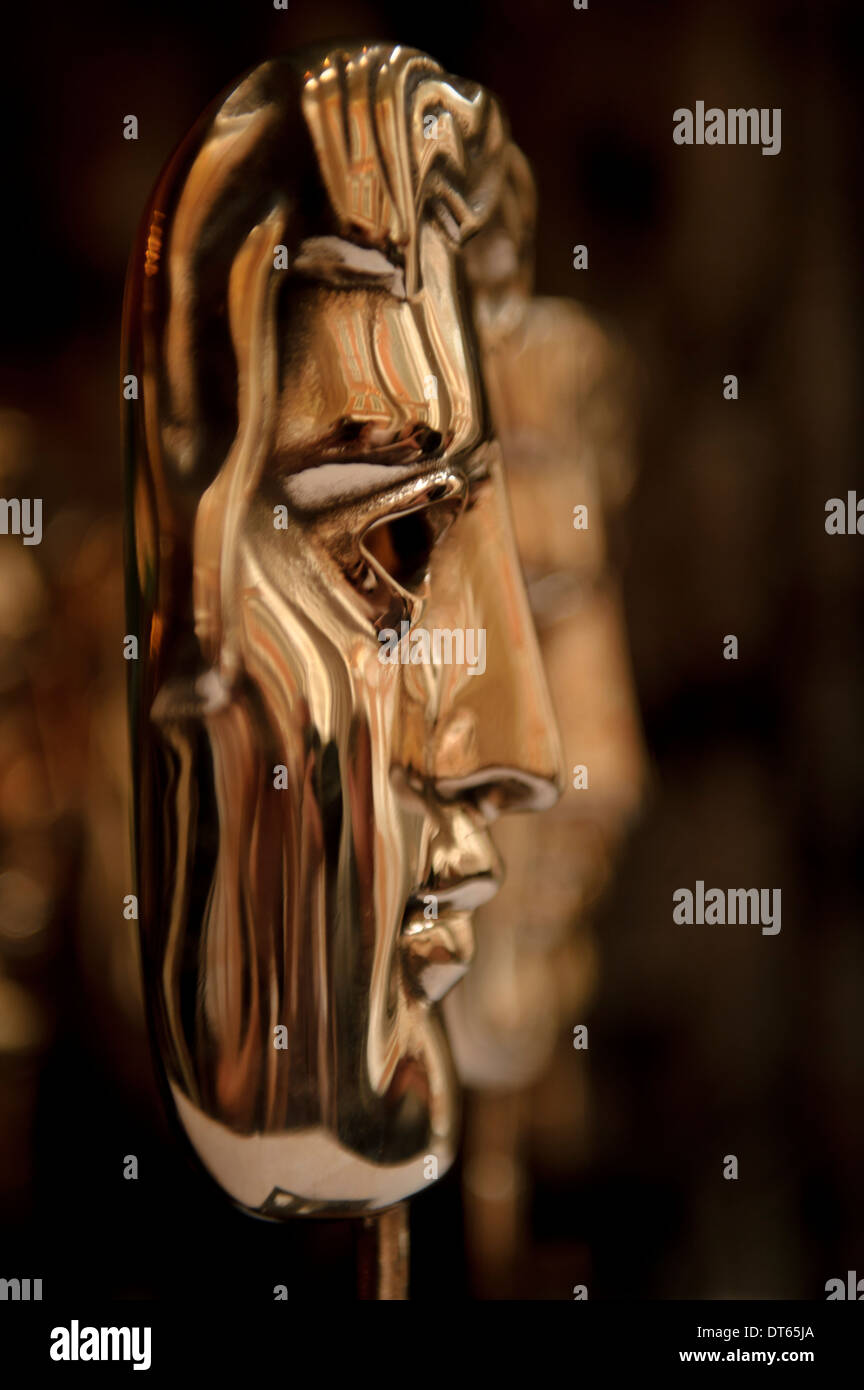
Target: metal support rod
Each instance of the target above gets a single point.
(382, 1255)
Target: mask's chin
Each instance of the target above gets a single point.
(436, 952)
(324, 1175)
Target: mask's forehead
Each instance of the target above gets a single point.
(398, 140)
(376, 144)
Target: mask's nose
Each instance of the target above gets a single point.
(496, 739)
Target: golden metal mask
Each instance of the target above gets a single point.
(311, 464)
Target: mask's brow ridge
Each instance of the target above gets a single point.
(333, 260)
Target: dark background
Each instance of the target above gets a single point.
(704, 262)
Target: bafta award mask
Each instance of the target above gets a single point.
(338, 686)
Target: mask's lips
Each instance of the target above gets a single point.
(457, 895)
(438, 950)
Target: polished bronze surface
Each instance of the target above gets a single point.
(312, 461)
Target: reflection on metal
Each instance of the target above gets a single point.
(311, 459)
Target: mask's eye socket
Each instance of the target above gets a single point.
(396, 555)
(402, 548)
